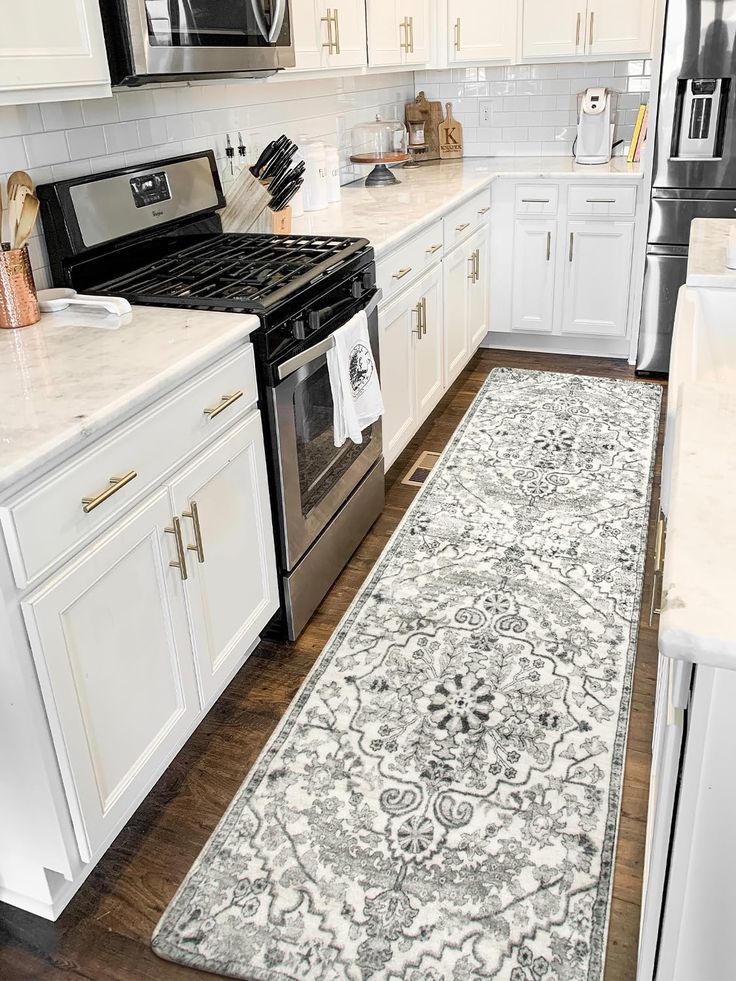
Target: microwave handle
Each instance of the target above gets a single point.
(278, 21)
(260, 18)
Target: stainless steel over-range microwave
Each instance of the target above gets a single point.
(165, 40)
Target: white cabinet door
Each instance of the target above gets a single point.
(553, 29)
(398, 323)
(232, 591)
(458, 271)
(111, 644)
(52, 51)
(597, 277)
(617, 27)
(329, 34)
(481, 30)
(417, 13)
(386, 33)
(311, 34)
(428, 347)
(533, 276)
(479, 306)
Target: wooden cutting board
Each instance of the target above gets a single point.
(431, 114)
(451, 136)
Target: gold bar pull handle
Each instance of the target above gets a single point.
(418, 312)
(329, 43)
(461, 228)
(198, 547)
(336, 22)
(227, 400)
(572, 245)
(432, 249)
(549, 245)
(411, 34)
(471, 260)
(180, 562)
(115, 484)
(403, 37)
(457, 34)
(400, 273)
(477, 265)
(424, 316)
(654, 610)
(590, 35)
(484, 211)
(577, 30)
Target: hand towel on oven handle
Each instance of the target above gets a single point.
(356, 390)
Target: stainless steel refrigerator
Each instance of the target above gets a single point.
(694, 157)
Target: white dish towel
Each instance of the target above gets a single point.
(356, 390)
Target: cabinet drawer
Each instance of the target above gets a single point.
(410, 260)
(463, 221)
(605, 202)
(49, 522)
(536, 199)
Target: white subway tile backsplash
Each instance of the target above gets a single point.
(46, 148)
(61, 115)
(97, 112)
(121, 137)
(12, 154)
(88, 141)
(17, 120)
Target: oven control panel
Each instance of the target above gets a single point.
(150, 189)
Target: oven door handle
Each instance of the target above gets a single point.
(311, 354)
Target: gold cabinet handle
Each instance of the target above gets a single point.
(457, 34)
(477, 265)
(471, 260)
(402, 272)
(572, 245)
(535, 200)
(336, 22)
(549, 245)
(418, 312)
(180, 562)
(227, 400)
(198, 547)
(114, 485)
(461, 228)
(590, 36)
(600, 200)
(403, 38)
(654, 610)
(329, 43)
(577, 30)
(484, 211)
(424, 315)
(411, 34)
(432, 249)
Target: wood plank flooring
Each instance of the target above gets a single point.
(104, 933)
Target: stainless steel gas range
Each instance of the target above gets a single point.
(152, 234)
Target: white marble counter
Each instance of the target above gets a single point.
(698, 623)
(388, 215)
(706, 264)
(76, 374)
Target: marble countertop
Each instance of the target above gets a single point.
(388, 215)
(697, 623)
(706, 264)
(74, 375)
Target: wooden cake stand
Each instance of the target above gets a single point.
(380, 176)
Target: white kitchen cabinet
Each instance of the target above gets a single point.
(52, 51)
(570, 28)
(458, 269)
(533, 274)
(398, 32)
(428, 348)
(597, 275)
(223, 503)
(111, 644)
(481, 30)
(329, 34)
(479, 290)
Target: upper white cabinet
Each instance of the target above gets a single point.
(329, 36)
(52, 51)
(398, 32)
(570, 28)
(481, 30)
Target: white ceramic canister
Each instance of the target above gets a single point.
(315, 177)
(333, 173)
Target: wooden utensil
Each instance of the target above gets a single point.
(27, 219)
(451, 136)
(19, 185)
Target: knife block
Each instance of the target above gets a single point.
(273, 222)
(247, 199)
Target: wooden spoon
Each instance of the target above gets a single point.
(19, 184)
(27, 220)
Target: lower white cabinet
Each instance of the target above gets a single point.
(597, 274)
(411, 341)
(222, 498)
(533, 283)
(111, 643)
(466, 275)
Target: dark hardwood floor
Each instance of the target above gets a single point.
(104, 933)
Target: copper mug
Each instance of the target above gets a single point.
(18, 300)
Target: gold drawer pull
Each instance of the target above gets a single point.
(535, 200)
(432, 249)
(484, 211)
(329, 44)
(180, 562)
(402, 272)
(227, 400)
(198, 546)
(600, 200)
(115, 484)
(461, 228)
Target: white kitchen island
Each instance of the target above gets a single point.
(137, 569)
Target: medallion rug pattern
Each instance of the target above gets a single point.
(441, 800)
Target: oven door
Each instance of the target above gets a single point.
(314, 477)
(191, 37)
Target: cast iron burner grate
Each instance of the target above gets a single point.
(231, 270)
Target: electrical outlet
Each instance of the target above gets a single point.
(484, 111)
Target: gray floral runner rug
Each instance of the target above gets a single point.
(441, 800)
